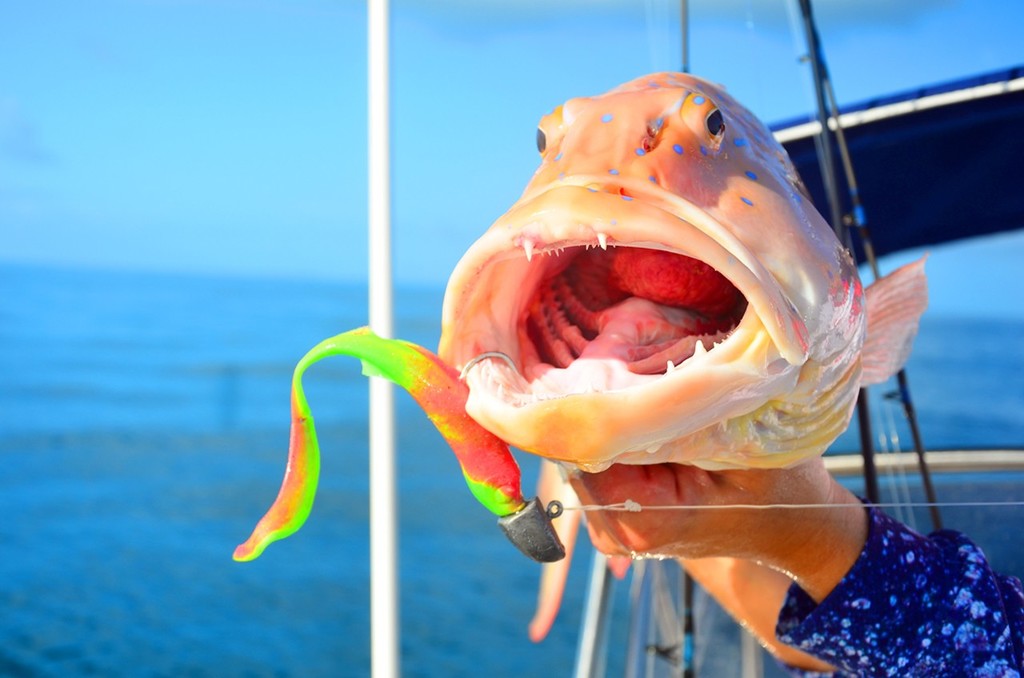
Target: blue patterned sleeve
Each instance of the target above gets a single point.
(912, 606)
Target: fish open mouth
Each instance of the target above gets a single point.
(592, 300)
(647, 310)
(650, 309)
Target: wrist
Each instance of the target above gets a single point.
(825, 548)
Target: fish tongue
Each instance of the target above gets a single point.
(634, 331)
(645, 335)
(628, 307)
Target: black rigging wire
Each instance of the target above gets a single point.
(829, 110)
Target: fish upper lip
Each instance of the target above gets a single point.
(536, 228)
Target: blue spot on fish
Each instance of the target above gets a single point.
(751, 175)
(627, 197)
(613, 171)
(607, 117)
(641, 151)
(678, 149)
(558, 157)
(703, 151)
(698, 100)
(740, 141)
(652, 179)
(861, 218)
(747, 201)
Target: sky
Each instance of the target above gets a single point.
(230, 136)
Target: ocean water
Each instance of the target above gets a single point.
(143, 431)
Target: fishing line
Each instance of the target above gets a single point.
(631, 506)
(659, 35)
(889, 443)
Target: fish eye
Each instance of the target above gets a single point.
(715, 123)
(542, 140)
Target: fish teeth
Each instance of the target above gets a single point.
(602, 240)
(698, 349)
(528, 249)
(669, 366)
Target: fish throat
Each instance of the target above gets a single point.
(651, 309)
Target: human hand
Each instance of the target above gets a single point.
(815, 546)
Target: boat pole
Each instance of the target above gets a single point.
(384, 660)
(684, 31)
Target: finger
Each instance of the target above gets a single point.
(619, 532)
(618, 483)
(619, 566)
(652, 531)
(598, 526)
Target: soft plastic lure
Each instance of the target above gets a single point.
(487, 464)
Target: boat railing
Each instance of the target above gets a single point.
(659, 643)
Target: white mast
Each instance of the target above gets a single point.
(384, 623)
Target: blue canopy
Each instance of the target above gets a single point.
(933, 165)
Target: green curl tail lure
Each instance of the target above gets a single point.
(487, 464)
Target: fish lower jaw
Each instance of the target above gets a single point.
(583, 377)
(741, 361)
(594, 413)
(604, 365)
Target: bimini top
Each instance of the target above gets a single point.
(933, 165)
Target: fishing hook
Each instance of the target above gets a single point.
(483, 356)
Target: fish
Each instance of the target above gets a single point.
(664, 290)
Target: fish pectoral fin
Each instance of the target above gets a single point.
(551, 485)
(894, 306)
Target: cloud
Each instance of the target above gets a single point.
(19, 139)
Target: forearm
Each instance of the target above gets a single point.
(816, 548)
(753, 595)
